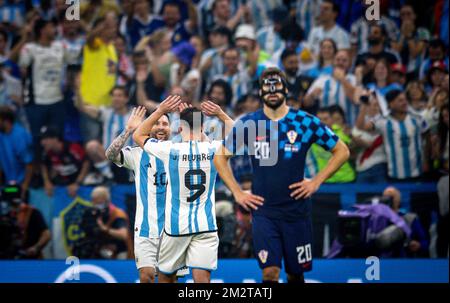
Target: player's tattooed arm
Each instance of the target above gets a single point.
(113, 151)
(136, 117)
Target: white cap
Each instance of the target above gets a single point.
(245, 31)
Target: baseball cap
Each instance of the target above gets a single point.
(49, 132)
(185, 52)
(439, 65)
(398, 67)
(246, 31)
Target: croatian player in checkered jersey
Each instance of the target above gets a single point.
(280, 195)
(190, 229)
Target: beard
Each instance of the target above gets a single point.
(291, 72)
(274, 104)
(161, 135)
(374, 41)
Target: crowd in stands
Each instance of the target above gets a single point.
(68, 84)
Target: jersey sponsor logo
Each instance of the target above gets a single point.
(263, 254)
(292, 136)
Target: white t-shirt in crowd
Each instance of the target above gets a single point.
(45, 66)
(337, 33)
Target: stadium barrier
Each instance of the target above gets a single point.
(325, 271)
(63, 212)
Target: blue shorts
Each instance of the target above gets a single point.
(275, 240)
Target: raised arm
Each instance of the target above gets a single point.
(361, 122)
(89, 110)
(141, 95)
(349, 89)
(192, 14)
(136, 118)
(168, 105)
(246, 200)
(94, 33)
(210, 108)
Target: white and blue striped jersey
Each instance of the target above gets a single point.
(113, 125)
(240, 84)
(360, 30)
(403, 145)
(216, 68)
(191, 178)
(333, 94)
(261, 9)
(306, 13)
(269, 40)
(337, 34)
(150, 182)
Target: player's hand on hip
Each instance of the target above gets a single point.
(170, 104)
(304, 189)
(136, 118)
(248, 200)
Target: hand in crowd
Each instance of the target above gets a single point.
(414, 246)
(317, 92)
(49, 188)
(72, 189)
(141, 73)
(339, 74)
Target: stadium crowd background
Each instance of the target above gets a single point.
(68, 86)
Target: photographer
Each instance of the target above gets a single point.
(106, 229)
(23, 231)
(418, 243)
(16, 154)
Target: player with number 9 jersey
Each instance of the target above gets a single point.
(191, 178)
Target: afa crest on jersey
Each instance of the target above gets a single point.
(292, 136)
(263, 254)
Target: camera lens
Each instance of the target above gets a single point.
(364, 99)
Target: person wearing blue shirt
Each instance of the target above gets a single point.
(171, 20)
(16, 154)
(277, 139)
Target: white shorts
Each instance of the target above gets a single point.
(197, 251)
(146, 254)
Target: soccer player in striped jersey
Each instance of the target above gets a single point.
(150, 180)
(402, 135)
(190, 230)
